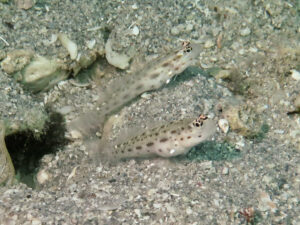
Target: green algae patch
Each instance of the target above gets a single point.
(211, 150)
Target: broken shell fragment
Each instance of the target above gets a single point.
(69, 45)
(114, 58)
(42, 176)
(224, 125)
(91, 43)
(295, 75)
(42, 74)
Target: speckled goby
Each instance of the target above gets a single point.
(152, 76)
(168, 140)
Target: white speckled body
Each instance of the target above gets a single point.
(123, 90)
(169, 140)
(152, 76)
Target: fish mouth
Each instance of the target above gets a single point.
(209, 128)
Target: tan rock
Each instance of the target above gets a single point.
(7, 170)
(16, 60)
(24, 4)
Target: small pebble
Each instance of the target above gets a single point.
(242, 51)
(279, 131)
(135, 31)
(138, 212)
(42, 176)
(65, 110)
(222, 74)
(224, 125)
(75, 134)
(189, 211)
(134, 6)
(240, 144)
(295, 75)
(157, 205)
(146, 96)
(246, 31)
(35, 221)
(24, 4)
(225, 171)
(91, 43)
(209, 44)
(170, 208)
(189, 27)
(175, 31)
(206, 165)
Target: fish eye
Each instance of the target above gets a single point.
(198, 123)
(188, 49)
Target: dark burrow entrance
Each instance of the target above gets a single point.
(26, 149)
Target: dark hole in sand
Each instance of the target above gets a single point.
(26, 149)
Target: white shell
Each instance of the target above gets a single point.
(224, 125)
(295, 75)
(116, 59)
(69, 45)
(91, 43)
(42, 176)
(135, 31)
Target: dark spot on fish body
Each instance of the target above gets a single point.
(139, 87)
(163, 140)
(177, 57)
(199, 136)
(189, 137)
(129, 150)
(142, 138)
(181, 139)
(159, 150)
(182, 128)
(166, 64)
(154, 76)
(138, 147)
(173, 132)
(150, 144)
(126, 96)
(156, 134)
(137, 139)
